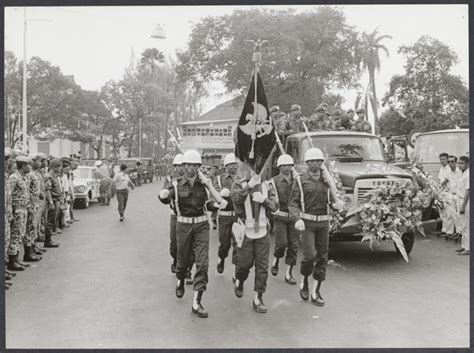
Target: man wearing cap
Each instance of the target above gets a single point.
(296, 119)
(318, 121)
(20, 205)
(249, 194)
(192, 231)
(286, 237)
(9, 160)
(178, 172)
(308, 205)
(223, 184)
(53, 195)
(336, 120)
(102, 173)
(32, 252)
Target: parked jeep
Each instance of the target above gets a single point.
(361, 165)
(86, 186)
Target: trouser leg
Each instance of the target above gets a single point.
(31, 221)
(17, 231)
(262, 251)
(245, 259)
(7, 233)
(173, 244)
(225, 238)
(443, 216)
(309, 249)
(322, 244)
(184, 241)
(125, 200)
(464, 227)
(201, 251)
(292, 247)
(281, 239)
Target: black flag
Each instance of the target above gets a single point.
(255, 141)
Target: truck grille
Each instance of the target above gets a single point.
(361, 192)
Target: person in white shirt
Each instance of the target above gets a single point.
(449, 186)
(443, 159)
(121, 183)
(462, 196)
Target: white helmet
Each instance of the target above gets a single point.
(285, 159)
(313, 154)
(191, 157)
(178, 159)
(98, 163)
(229, 159)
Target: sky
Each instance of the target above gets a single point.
(95, 43)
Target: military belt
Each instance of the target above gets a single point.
(315, 218)
(226, 213)
(191, 220)
(281, 213)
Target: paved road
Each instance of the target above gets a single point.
(109, 286)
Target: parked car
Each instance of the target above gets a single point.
(86, 186)
(148, 167)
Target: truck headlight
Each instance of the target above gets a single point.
(81, 188)
(348, 199)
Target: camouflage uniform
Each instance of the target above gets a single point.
(34, 209)
(20, 203)
(8, 211)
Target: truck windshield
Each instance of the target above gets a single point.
(428, 147)
(82, 173)
(347, 147)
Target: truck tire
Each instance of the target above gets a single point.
(408, 241)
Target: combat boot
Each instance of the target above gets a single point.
(12, 274)
(173, 266)
(239, 288)
(29, 255)
(259, 307)
(274, 268)
(180, 288)
(220, 265)
(38, 251)
(289, 277)
(304, 290)
(8, 277)
(197, 307)
(48, 243)
(13, 264)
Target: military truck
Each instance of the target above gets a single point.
(361, 165)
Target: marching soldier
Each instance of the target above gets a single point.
(32, 253)
(254, 241)
(286, 237)
(192, 230)
(53, 195)
(308, 205)
(20, 204)
(223, 184)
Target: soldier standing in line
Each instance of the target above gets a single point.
(296, 119)
(286, 237)
(9, 160)
(192, 231)
(255, 246)
(20, 204)
(223, 184)
(178, 172)
(32, 253)
(52, 189)
(308, 205)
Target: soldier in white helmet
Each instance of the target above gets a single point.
(286, 237)
(308, 205)
(178, 173)
(190, 195)
(226, 217)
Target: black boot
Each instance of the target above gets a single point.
(180, 288)
(8, 277)
(259, 307)
(304, 292)
(12, 274)
(38, 251)
(239, 288)
(220, 265)
(318, 301)
(199, 309)
(290, 280)
(173, 266)
(48, 243)
(13, 264)
(29, 255)
(274, 268)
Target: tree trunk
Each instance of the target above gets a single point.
(374, 102)
(166, 133)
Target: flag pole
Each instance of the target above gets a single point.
(256, 59)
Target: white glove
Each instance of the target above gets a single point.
(164, 194)
(258, 197)
(222, 205)
(299, 225)
(225, 192)
(254, 181)
(338, 205)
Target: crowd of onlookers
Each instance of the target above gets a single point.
(454, 182)
(39, 198)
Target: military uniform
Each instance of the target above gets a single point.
(286, 237)
(8, 212)
(53, 185)
(226, 218)
(253, 251)
(312, 208)
(34, 210)
(20, 204)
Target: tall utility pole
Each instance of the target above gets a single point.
(24, 102)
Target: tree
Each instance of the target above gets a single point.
(307, 54)
(52, 98)
(369, 48)
(392, 123)
(427, 93)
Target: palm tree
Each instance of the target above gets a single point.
(150, 58)
(370, 46)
